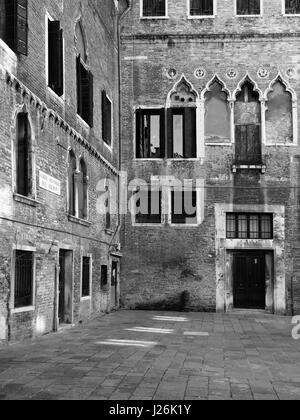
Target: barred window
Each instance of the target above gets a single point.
(201, 7)
(249, 226)
(86, 262)
(292, 7)
(23, 296)
(153, 8)
(248, 7)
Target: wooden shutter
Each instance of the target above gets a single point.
(21, 28)
(241, 144)
(139, 133)
(189, 133)
(91, 100)
(254, 144)
(79, 89)
(170, 148)
(162, 134)
(55, 57)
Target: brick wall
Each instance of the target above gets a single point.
(161, 262)
(43, 223)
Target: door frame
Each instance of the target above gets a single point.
(249, 253)
(56, 323)
(269, 277)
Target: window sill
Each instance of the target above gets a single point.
(86, 299)
(249, 16)
(261, 168)
(81, 222)
(83, 123)
(109, 232)
(25, 200)
(23, 310)
(191, 17)
(154, 17)
(58, 98)
(109, 147)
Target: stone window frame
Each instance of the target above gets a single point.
(154, 17)
(90, 256)
(75, 218)
(31, 201)
(288, 14)
(265, 100)
(249, 16)
(166, 205)
(62, 98)
(32, 307)
(231, 102)
(191, 17)
(110, 147)
(200, 147)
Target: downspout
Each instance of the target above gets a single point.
(119, 18)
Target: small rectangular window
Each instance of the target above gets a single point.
(154, 8)
(150, 134)
(104, 276)
(55, 57)
(149, 207)
(184, 207)
(182, 133)
(23, 287)
(292, 7)
(86, 263)
(201, 7)
(248, 7)
(106, 119)
(85, 93)
(249, 226)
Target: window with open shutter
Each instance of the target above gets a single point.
(23, 156)
(55, 57)
(150, 133)
(85, 93)
(182, 133)
(106, 119)
(201, 7)
(16, 32)
(248, 7)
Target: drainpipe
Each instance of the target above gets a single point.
(119, 18)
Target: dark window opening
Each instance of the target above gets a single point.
(55, 57)
(72, 184)
(292, 7)
(182, 138)
(23, 156)
(82, 191)
(23, 294)
(104, 276)
(202, 7)
(16, 25)
(108, 210)
(184, 207)
(150, 134)
(106, 119)
(248, 7)
(86, 277)
(85, 93)
(149, 207)
(152, 8)
(249, 226)
(248, 94)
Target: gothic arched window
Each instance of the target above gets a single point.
(23, 156)
(82, 190)
(72, 183)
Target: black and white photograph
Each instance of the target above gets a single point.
(149, 203)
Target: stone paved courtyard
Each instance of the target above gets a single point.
(161, 356)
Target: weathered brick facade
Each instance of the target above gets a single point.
(42, 224)
(163, 261)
